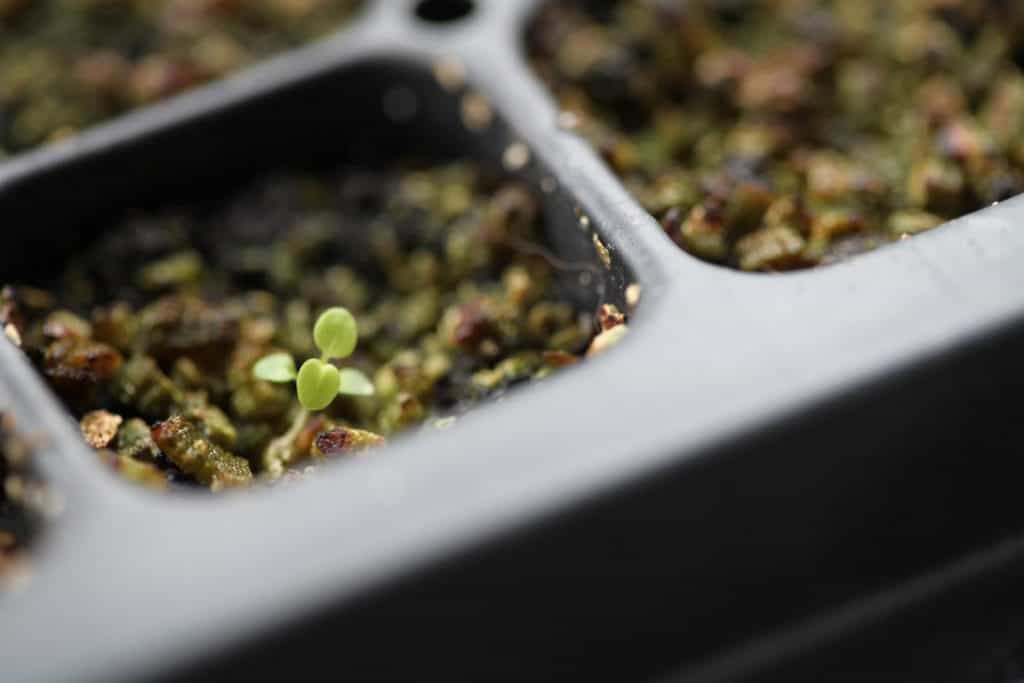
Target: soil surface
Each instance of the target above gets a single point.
(68, 64)
(150, 334)
(791, 133)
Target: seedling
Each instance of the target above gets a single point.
(318, 381)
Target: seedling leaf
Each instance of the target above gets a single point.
(335, 333)
(355, 383)
(277, 367)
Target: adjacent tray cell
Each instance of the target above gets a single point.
(68, 64)
(25, 502)
(776, 135)
(160, 323)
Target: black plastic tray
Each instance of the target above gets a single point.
(810, 475)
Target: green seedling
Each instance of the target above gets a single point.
(318, 381)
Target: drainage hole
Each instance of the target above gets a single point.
(443, 11)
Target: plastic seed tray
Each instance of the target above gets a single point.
(811, 475)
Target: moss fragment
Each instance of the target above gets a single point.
(135, 440)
